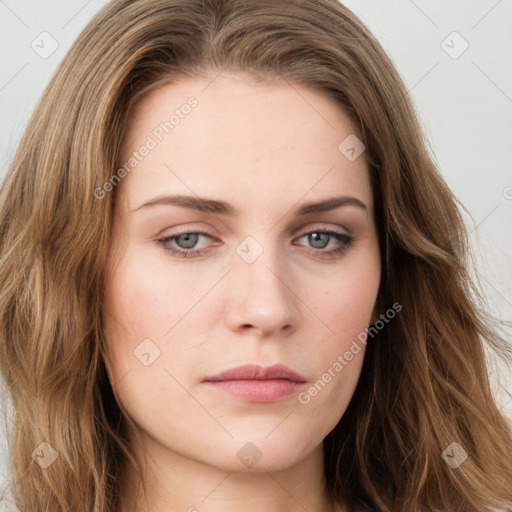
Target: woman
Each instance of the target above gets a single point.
(232, 277)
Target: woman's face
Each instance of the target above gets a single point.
(261, 286)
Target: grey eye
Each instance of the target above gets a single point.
(189, 239)
(315, 239)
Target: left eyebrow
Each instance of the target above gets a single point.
(217, 207)
(329, 204)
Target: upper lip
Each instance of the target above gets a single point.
(258, 372)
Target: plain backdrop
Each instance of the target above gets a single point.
(454, 57)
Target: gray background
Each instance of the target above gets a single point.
(464, 99)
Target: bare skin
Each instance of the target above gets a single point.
(266, 150)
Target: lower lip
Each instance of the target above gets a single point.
(262, 391)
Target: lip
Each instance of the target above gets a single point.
(256, 383)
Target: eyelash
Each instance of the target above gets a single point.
(346, 241)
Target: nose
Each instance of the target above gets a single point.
(263, 295)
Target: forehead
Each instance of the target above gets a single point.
(230, 137)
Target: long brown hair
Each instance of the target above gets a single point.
(425, 382)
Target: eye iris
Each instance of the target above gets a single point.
(190, 240)
(314, 238)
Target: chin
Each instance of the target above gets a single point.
(256, 454)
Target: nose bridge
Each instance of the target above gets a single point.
(264, 292)
(261, 261)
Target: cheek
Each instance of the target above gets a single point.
(141, 305)
(147, 301)
(134, 311)
(345, 301)
(339, 356)
(149, 305)
(345, 307)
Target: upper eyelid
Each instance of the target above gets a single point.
(299, 232)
